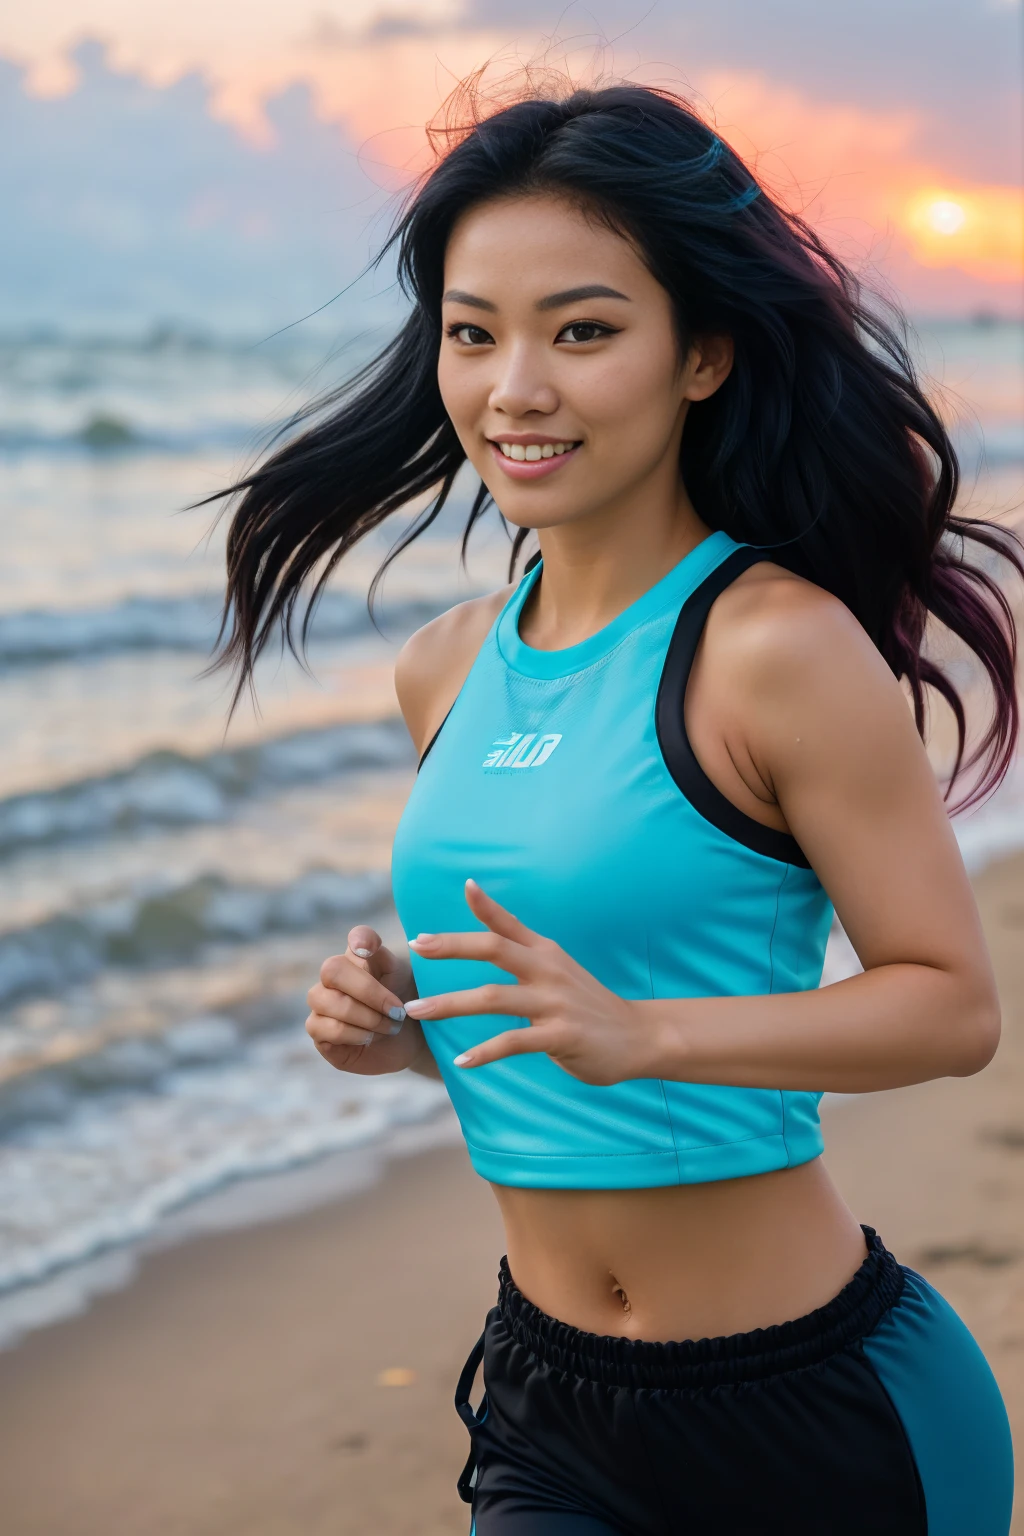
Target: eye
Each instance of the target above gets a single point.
(469, 335)
(585, 330)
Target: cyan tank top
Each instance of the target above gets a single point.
(564, 783)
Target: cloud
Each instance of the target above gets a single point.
(255, 184)
(128, 202)
(248, 50)
(954, 62)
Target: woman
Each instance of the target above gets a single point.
(649, 770)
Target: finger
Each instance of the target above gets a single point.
(506, 954)
(349, 978)
(334, 1004)
(367, 950)
(513, 1042)
(492, 998)
(340, 1006)
(499, 918)
(363, 942)
(327, 1033)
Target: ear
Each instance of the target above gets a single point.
(708, 366)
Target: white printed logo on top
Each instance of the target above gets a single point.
(519, 751)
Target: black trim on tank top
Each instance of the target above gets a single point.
(433, 738)
(670, 723)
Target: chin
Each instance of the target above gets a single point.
(534, 518)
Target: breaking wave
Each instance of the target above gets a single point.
(189, 623)
(168, 789)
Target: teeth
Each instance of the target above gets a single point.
(531, 452)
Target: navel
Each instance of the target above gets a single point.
(619, 1293)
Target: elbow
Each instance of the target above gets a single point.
(980, 1025)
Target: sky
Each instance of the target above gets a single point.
(235, 163)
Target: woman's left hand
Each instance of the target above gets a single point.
(594, 1034)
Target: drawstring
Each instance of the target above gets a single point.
(467, 1480)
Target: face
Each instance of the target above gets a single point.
(560, 365)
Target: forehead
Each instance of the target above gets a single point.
(541, 242)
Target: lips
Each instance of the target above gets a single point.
(533, 459)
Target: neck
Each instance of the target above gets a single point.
(596, 566)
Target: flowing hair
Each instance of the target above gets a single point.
(820, 445)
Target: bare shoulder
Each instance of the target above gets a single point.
(802, 692)
(433, 664)
(774, 635)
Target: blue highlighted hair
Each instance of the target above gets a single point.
(821, 443)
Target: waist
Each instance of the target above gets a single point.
(874, 1286)
(683, 1262)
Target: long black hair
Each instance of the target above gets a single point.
(821, 443)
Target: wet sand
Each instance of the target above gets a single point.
(295, 1379)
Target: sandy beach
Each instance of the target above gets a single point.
(296, 1377)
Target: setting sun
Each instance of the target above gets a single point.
(946, 217)
(980, 230)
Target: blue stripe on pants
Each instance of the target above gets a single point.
(941, 1386)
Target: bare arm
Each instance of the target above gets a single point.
(818, 733)
(349, 1018)
(817, 719)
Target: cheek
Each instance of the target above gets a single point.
(633, 399)
(463, 391)
(464, 395)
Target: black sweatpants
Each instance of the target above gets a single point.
(875, 1413)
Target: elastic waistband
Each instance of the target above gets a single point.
(697, 1363)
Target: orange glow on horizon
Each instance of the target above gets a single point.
(978, 229)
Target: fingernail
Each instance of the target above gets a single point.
(396, 1029)
(369, 1039)
(419, 1007)
(423, 941)
(398, 1014)
(471, 881)
(364, 954)
(463, 1060)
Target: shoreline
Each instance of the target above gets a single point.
(257, 1198)
(235, 1384)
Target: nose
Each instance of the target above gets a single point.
(521, 386)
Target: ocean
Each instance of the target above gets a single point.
(170, 886)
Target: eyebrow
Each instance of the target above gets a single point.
(552, 301)
(576, 295)
(457, 296)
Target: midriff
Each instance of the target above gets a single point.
(685, 1262)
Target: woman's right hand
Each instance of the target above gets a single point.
(357, 1019)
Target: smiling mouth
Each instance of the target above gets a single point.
(530, 453)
